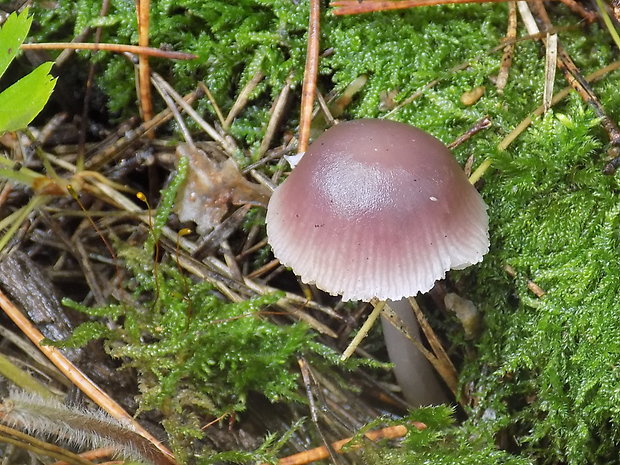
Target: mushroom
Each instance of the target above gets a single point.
(377, 209)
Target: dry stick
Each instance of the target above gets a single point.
(63, 56)
(329, 118)
(276, 115)
(305, 375)
(448, 375)
(94, 392)
(311, 71)
(589, 16)
(226, 142)
(144, 72)
(433, 340)
(522, 126)
(116, 48)
(94, 454)
(511, 34)
(320, 453)
(551, 52)
(483, 123)
(25, 441)
(175, 111)
(242, 99)
(352, 7)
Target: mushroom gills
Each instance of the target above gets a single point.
(415, 375)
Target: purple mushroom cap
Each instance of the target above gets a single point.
(376, 208)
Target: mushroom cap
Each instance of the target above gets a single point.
(376, 208)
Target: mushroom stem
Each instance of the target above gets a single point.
(363, 332)
(415, 375)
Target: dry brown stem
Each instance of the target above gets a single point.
(308, 89)
(73, 373)
(116, 48)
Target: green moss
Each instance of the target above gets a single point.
(195, 354)
(440, 442)
(545, 377)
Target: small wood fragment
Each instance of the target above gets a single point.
(551, 62)
(531, 285)
(472, 96)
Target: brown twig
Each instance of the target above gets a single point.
(144, 70)
(576, 7)
(79, 379)
(442, 357)
(511, 34)
(320, 453)
(354, 7)
(447, 373)
(116, 48)
(308, 89)
(483, 123)
(94, 454)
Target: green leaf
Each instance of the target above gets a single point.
(12, 35)
(21, 102)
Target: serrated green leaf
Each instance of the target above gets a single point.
(12, 35)
(21, 102)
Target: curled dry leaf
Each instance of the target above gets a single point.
(211, 187)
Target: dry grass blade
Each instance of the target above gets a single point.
(277, 111)
(447, 372)
(433, 340)
(311, 72)
(89, 388)
(24, 441)
(243, 98)
(214, 104)
(116, 48)
(226, 142)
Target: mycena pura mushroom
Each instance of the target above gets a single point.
(377, 209)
